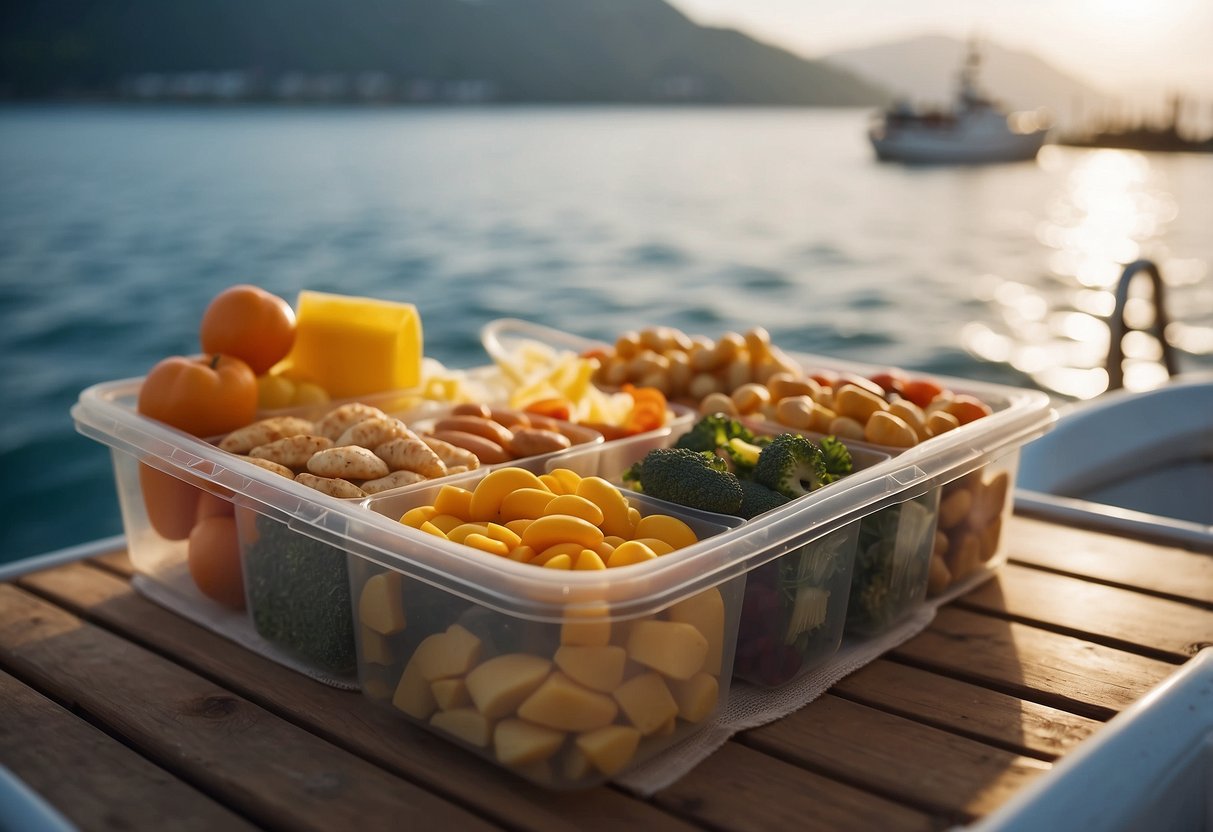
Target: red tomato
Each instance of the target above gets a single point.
(171, 504)
(249, 323)
(890, 381)
(921, 391)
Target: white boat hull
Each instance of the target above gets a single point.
(949, 146)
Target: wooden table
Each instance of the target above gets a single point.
(124, 715)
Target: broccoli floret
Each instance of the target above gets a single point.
(757, 499)
(714, 431)
(689, 478)
(299, 596)
(792, 465)
(837, 458)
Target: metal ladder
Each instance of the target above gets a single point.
(1119, 327)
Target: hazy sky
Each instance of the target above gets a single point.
(1113, 44)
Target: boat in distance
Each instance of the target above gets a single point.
(975, 130)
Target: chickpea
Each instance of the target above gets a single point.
(751, 397)
(718, 403)
(795, 412)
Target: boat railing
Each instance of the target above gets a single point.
(1119, 326)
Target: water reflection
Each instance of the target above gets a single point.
(1113, 207)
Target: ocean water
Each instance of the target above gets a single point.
(117, 225)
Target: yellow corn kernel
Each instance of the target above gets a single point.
(670, 529)
(615, 507)
(575, 506)
(551, 483)
(492, 490)
(522, 554)
(561, 528)
(559, 562)
(454, 500)
(606, 547)
(588, 559)
(486, 544)
(633, 519)
(568, 479)
(430, 528)
(461, 531)
(416, 516)
(555, 550)
(518, 526)
(630, 552)
(525, 504)
(505, 534)
(447, 522)
(659, 546)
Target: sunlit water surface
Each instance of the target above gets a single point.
(118, 225)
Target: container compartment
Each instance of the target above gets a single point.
(972, 511)
(795, 603)
(569, 680)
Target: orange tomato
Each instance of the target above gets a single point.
(968, 408)
(205, 396)
(172, 505)
(250, 323)
(920, 391)
(214, 560)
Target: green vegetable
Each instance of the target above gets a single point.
(714, 431)
(792, 465)
(891, 564)
(299, 596)
(756, 499)
(837, 458)
(689, 478)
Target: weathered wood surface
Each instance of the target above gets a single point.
(165, 725)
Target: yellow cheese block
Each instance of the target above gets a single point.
(468, 724)
(499, 685)
(563, 704)
(598, 668)
(610, 749)
(705, 612)
(381, 606)
(696, 697)
(647, 702)
(518, 743)
(671, 647)
(353, 346)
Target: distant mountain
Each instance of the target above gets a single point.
(412, 50)
(924, 69)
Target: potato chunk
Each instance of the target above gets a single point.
(674, 648)
(598, 668)
(499, 685)
(696, 697)
(563, 704)
(610, 749)
(519, 743)
(381, 605)
(646, 702)
(468, 724)
(705, 612)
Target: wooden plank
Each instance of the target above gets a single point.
(342, 717)
(742, 790)
(944, 773)
(94, 781)
(259, 765)
(979, 713)
(1054, 669)
(117, 562)
(1159, 627)
(1134, 564)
